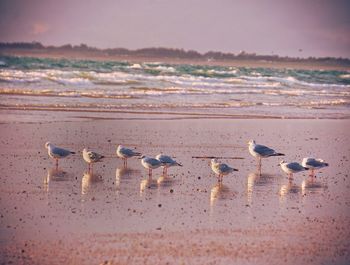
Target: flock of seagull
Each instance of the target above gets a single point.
(220, 169)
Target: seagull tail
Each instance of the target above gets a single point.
(306, 168)
(235, 169)
(179, 164)
(137, 154)
(72, 153)
(102, 157)
(278, 154)
(326, 164)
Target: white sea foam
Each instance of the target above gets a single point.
(164, 69)
(345, 76)
(172, 86)
(135, 66)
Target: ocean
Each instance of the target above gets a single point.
(27, 82)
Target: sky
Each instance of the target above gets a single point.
(298, 28)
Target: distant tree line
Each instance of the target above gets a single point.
(169, 53)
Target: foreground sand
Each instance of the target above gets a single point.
(119, 216)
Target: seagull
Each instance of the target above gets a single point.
(57, 152)
(261, 151)
(167, 162)
(313, 163)
(91, 157)
(221, 169)
(126, 153)
(291, 168)
(150, 163)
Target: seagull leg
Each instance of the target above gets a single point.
(259, 171)
(259, 164)
(56, 163)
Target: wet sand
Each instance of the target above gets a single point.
(120, 216)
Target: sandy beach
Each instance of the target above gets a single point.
(199, 81)
(120, 216)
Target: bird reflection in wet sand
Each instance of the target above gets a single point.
(311, 185)
(148, 184)
(257, 179)
(165, 181)
(123, 175)
(88, 180)
(220, 192)
(54, 174)
(289, 188)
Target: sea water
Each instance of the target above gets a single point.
(27, 82)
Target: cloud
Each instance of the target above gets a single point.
(39, 28)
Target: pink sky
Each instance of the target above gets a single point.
(284, 27)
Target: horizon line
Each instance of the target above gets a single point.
(242, 53)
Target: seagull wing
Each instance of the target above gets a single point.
(264, 150)
(295, 166)
(225, 168)
(94, 156)
(166, 159)
(129, 152)
(316, 163)
(60, 151)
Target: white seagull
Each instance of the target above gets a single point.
(91, 157)
(291, 168)
(57, 152)
(150, 163)
(125, 153)
(167, 162)
(221, 169)
(261, 151)
(313, 163)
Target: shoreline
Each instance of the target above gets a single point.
(61, 114)
(140, 59)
